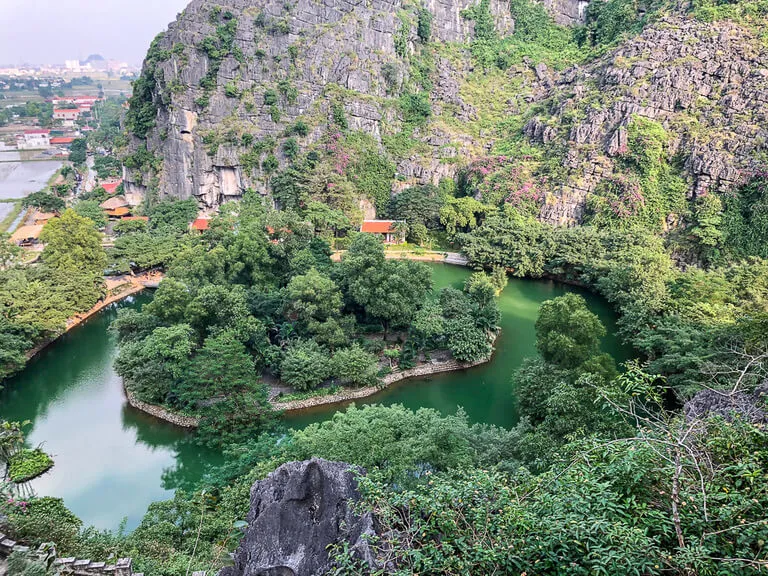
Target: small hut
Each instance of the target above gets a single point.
(116, 207)
(27, 235)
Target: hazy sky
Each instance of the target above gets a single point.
(51, 31)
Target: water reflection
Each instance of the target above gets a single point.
(111, 461)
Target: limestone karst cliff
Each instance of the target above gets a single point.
(235, 67)
(230, 83)
(705, 83)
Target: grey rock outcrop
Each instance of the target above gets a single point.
(750, 407)
(320, 49)
(323, 52)
(706, 83)
(296, 513)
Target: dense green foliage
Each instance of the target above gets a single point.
(38, 300)
(27, 464)
(603, 474)
(257, 294)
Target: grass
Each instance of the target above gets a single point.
(27, 464)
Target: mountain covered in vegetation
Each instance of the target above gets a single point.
(237, 93)
(618, 145)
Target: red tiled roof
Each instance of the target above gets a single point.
(110, 187)
(201, 224)
(62, 140)
(378, 226)
(37, 132)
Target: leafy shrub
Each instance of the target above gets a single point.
(27, 464)
(270, 97)
(291, 148)
(339, 115)
(424, 25)
(354, 367)
(231, 90)
(415, 107)
(305, 366)
(41, 520)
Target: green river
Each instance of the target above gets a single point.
(112, 461)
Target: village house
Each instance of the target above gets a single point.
(62, 141)
(67, 116)
(386, 229)
(200, 224)
(34, 140)
(116, 207)
(42, 218)
(27, 235)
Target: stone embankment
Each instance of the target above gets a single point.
(420, 256)
(160, 412)
(348, 395)
(73, 566)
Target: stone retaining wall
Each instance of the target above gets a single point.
(74, 566)
(160, 412)
(389, 379)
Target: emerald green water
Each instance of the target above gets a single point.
(112, 461)
(484, 392)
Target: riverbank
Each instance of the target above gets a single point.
(349, 394)
(159, 412)
(117, 289)
(344, 395)
(419, 255)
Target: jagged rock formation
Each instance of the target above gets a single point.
(296, 513)
(706, 83)
(310, 54)
(307, 51)
(750, 407)
(213, 97)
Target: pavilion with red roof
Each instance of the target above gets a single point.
(384, 228)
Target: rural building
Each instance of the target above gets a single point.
(200, 224)
(63, 141)
(116, 207)
(41, 218)
(26, 235)
(34, 140)
(67, 116)
(385, 229)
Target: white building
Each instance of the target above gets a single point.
(34, 140)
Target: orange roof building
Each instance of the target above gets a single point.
(200, 224)
(114, 203)
(384, 228)
(118, 212)
(26, 234)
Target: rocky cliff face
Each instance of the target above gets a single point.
(233, 72)
(297, 513)
(706, 83)
(309, 54)
(229, 82)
